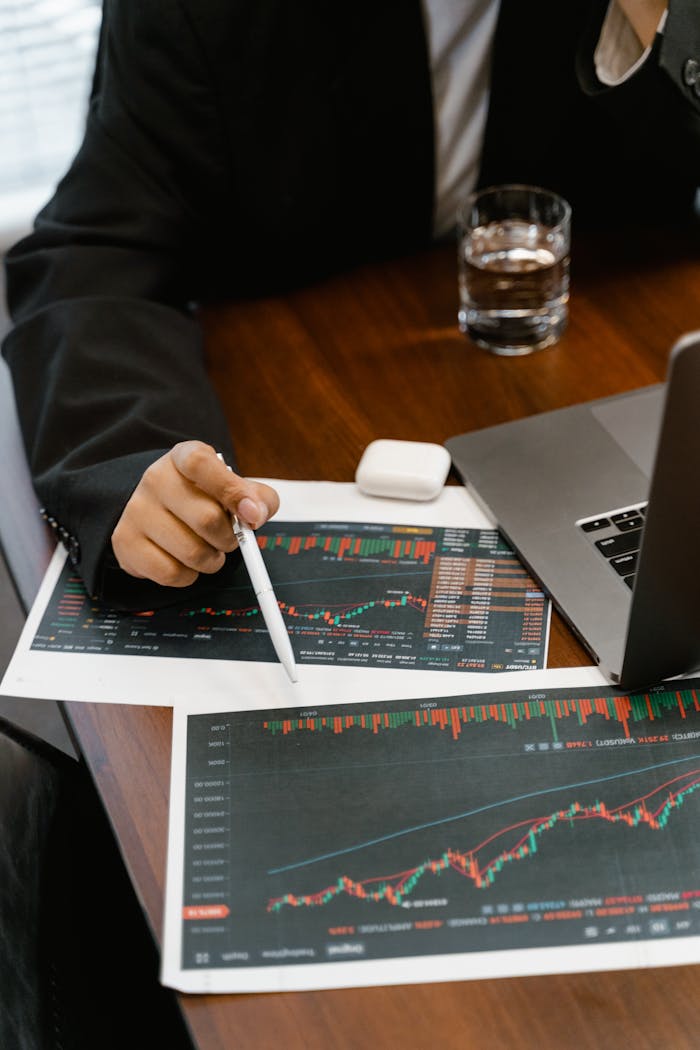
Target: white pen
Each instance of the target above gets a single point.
(264, 593)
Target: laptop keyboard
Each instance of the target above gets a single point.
(617, 535)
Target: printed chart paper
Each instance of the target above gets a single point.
(363, 583)
(552, 829)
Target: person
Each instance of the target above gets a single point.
(238, 149)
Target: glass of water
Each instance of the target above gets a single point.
(513, 247)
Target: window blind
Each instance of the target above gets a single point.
(47, 54)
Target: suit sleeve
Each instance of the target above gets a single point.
(105, 352)
(660, 102)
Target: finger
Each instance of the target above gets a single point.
(164, 488)
(200, 464)
(178, 540)
(146, 560)
(207, 519)
(262, 495)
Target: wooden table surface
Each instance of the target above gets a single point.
(377, 353)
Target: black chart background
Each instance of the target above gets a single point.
(498, 633)
(290, 799)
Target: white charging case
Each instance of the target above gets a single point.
(403, 469)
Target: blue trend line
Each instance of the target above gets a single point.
(332, 579)
(472, 813)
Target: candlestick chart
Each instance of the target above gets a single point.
(453, 824)
(352, 594)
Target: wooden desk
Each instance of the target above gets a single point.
(377, 354)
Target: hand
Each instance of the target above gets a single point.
(644, 16)
(177, 522)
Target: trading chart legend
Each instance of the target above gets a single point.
(352, 594)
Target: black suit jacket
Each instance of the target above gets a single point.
(232, 149)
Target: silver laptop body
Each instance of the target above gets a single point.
(547, 478)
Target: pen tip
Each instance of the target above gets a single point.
(291, 673)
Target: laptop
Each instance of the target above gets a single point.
(601, 501)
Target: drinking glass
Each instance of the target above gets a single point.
(514, 243)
